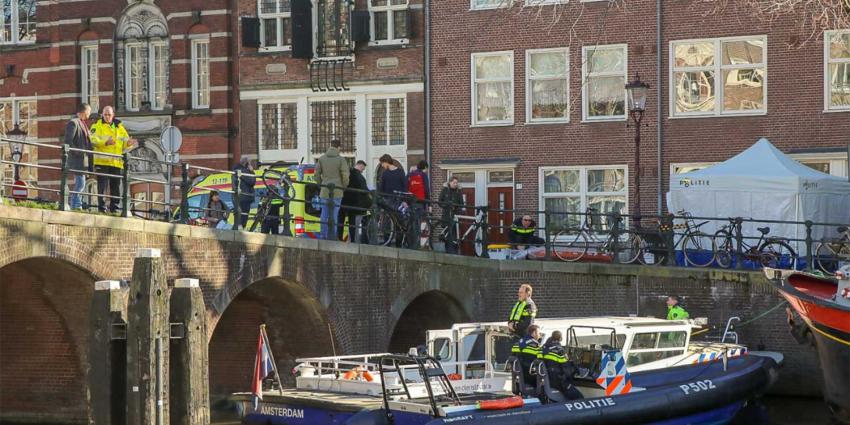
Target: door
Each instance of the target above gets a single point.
(441, 346)
(467, 245)
(499, 198)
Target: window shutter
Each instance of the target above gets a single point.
(302, 29)
(250, 32)
(360, 26)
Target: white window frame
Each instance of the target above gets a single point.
(277, 104)
(585, 78)
(15, 16)
(718, 69)
(279, 16)
(90, 87)
(474, 84)
(502, 4)
(385, 99)
(390, 9)
(529, 95)
(151, 95)
(827, 83)
(548, 2)
(128, 91)
(196, 73)
(583, 193)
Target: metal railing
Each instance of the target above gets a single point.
(387, 222)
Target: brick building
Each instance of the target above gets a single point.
(159, 63)
(529, 101)
(311, 71)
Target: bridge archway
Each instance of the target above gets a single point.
(44, 304)
(430, 310)
(296, 322)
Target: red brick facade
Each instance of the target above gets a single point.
(794, 121)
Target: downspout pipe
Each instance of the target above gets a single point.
(427, 65)
(660, 121)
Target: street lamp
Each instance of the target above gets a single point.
(17, 134)
(637, 91)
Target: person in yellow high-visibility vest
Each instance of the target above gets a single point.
(523, 312)
(109, 136)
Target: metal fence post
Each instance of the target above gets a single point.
(485, 230)
(452, 234)
(668, 235)
(184, 193)
(329, 204)
(237, 210)
(809, 243)
(125, 185)
(547, 233)
(739, 243)
(615, 236)
(63, 180)
(372, 229)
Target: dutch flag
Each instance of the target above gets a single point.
(263, 366)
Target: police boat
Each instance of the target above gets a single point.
(629, 370)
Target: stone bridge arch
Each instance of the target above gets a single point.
(44, 333)
(297, 323)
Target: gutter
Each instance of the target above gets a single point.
(427, 64)
(660, 120)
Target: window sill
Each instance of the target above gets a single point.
(835, 110)
(31, 45)
(390, 43)
(603, 120)
(273, 50)
(495, 124)
(478, 9)
(198, 111)
(565, 121)
(685, 117)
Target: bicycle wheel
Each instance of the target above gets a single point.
(650, 255)
(478, 242)
(825, 258)
(698, 249)
(724, 247)
(630, 249)
(570, 246)
(276, 180)
(384, 228)
(777, 254)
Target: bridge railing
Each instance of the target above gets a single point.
(608, 234)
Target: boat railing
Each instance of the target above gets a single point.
(730, 330)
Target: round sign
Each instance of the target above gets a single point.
(19, 190)
(171, 139)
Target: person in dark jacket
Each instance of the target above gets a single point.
(246, 189)
(558, 367)
(450, 201)
(393, 180)
(216, 210)
(527, 350)
(77, 136)
(354, 204)
(522, 233)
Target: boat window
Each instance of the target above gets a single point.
(635, 359)
(597, 340)
(645, 340)
(442, 349)
(672, 339)
(502, 345)
(473, 347)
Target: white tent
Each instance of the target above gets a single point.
(764, 184)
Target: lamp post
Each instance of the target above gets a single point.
(637, 91)
(17, 134)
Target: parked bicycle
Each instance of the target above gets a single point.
(698, 247)
(830, 253)
(767, 251)
(474, 232)
(394, 220)
(569, 245)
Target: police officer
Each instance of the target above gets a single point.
(674, 310)
(271, 222)
(523, 313)
(522, 234)
(560, 370)
(527, 349)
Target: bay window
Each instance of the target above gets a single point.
(547, 85)
(604, 71)
(574, 189)
(493, 88)
(837, 70)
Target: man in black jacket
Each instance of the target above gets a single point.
(246, 190)
(77, 136)
(522, 233)
(451, 199)
(354, 203)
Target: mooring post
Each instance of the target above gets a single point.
(190, 393)
(147, 341)
(107, 363)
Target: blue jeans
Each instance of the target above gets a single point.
(76, 200)
(327, 213)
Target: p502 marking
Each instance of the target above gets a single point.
(698, 386)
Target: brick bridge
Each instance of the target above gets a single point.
(311, 293)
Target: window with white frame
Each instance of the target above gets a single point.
(275, 24)
(574, 189)
(388, 125)
(493, 88)
(20, 111)
(389, 21)
(17, 21)
(278, 126)
(719, 76)
(333, 119)
(200, 74)
(488, 4)
(837, 70)
(547, 87)
(604, 71)
(158, 74)
(134, 76)
(89, 77)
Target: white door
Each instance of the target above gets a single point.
(441, 345)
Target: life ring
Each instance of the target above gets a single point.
(500, 404)
(454, 377)
(356, 373)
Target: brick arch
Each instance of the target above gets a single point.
(44, 304)
(433, 309)
(18, 248)
(297, 324)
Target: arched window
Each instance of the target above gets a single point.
(142, 59)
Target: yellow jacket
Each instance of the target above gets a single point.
(100, 134)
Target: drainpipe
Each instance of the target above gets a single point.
(660, 120)
(427, 54)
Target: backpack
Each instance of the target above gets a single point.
(416, 185)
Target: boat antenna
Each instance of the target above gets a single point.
(331, 333)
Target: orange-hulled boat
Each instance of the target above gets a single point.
(824, 305)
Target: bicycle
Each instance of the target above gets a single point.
(578, 244)
(767, 251)
(393, 222)
(698, 247)
(280, 188)
(831, 252)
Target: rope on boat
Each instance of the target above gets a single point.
(742, 324)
